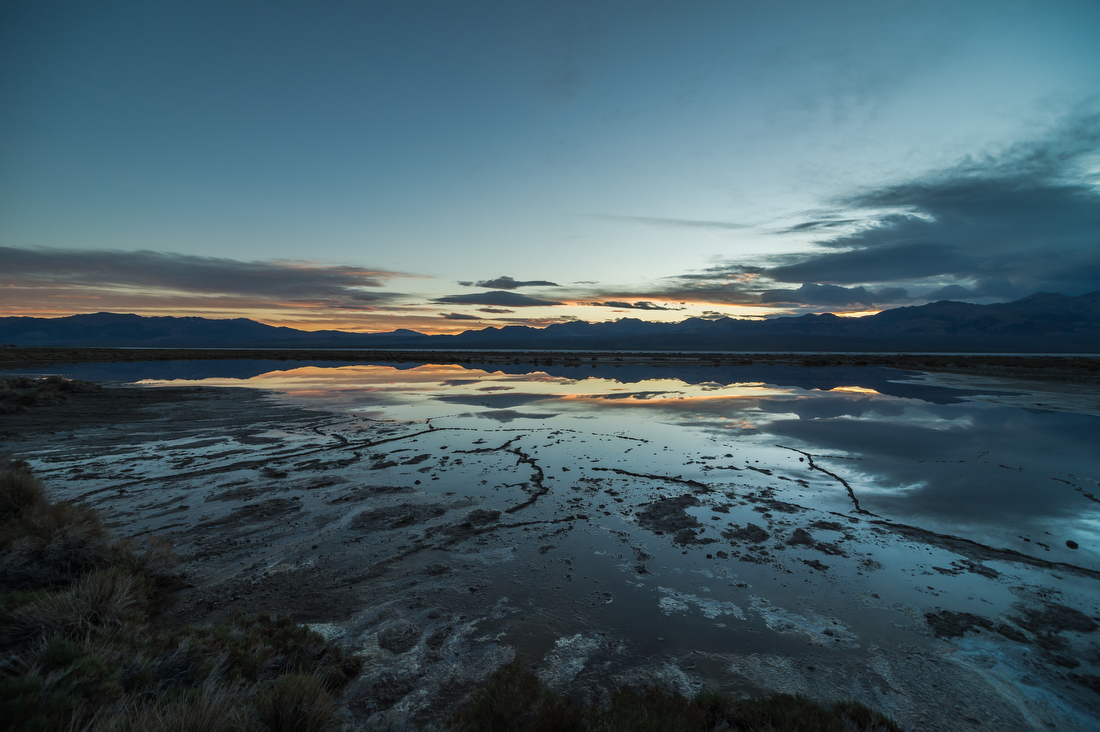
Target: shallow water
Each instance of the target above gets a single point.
(938, 457)
(753, 512)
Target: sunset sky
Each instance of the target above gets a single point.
(443, 166)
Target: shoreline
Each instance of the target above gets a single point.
(1051, 368)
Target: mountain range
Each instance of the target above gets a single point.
(1040, 323)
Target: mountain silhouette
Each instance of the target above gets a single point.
(1040, 323)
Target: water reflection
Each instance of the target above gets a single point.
(736, 514)
(913, 452)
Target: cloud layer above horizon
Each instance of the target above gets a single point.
(372, 168)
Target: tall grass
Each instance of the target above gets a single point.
(77, 651)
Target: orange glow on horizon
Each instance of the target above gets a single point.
(422, 317)
(857, 313)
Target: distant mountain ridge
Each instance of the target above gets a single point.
(1040, 323)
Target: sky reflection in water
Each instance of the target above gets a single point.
(925, 455)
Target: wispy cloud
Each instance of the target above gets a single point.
(169, 274)
(458, 316)
(640, 305)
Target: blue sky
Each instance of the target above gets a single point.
(351, 164)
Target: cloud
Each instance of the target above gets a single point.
(168, 273)
(678, 223)
(497, 297)
(459, 316)
(884, 262)
(994, 227)
(538, 322)
(1000, 225)
(640, 305)
(811, 294)
(495, 311)
(507, 283)
(819, 224)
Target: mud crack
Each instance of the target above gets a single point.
(815, 466)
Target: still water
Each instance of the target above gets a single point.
(948, 459)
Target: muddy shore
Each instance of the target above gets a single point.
(437, 553)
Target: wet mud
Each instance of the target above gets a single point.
(437, 549)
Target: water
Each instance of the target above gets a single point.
(941, 458)
(753, 512)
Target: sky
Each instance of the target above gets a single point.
(446, 166)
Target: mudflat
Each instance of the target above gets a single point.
(437, 549)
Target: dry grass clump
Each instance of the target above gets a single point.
(98, 603)
(514, 701)
(211, 707)
(296, 703)
(77, 650)
(19, 491)
(49, 544)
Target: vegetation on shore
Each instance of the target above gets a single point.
(80, 650)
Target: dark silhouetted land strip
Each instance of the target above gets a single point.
(1039, 367)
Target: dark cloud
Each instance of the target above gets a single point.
(818, 225)
(640, 305)
(507, 283)
(886, 262)
(1001, 226)
(459, 316)
(725, 272)
(678, 223)
(811, 294)
(497, 297)
(495, 311)
(333, 286)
